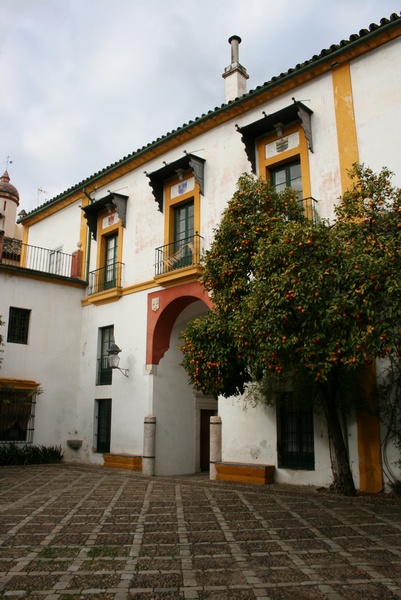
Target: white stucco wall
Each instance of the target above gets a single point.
(376, 95)
(129, 395)
(59, 229)
(51, 356)
(249, 435)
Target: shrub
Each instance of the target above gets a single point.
(14, 454)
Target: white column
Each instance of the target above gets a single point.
(215, 444)
(149, 446)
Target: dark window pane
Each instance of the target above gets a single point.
(17, 414)
(287, 176)
(103, 425)
(295, 436)
(18, 325)
(104, 371)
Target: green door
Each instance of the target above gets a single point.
(105, 373)
(110, 276)
(183, 234)
(103, 425)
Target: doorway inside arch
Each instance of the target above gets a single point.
(205, 408)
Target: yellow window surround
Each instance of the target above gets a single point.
(174, 200)
(286, 153)
(106, 230)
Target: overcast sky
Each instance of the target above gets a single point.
(86, 82)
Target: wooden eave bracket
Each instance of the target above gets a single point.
(274, 123)
(187, 162)
(112, 201)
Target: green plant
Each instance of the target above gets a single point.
(314, 301)
(15, 454)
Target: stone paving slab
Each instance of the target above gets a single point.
(72, 531)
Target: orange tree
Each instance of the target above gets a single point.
(300, 298)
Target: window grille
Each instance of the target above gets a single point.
(17, 415)
(18, 325)
(103, 425)
(295, 436)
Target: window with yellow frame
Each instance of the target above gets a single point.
(182, 222)
(109, 251)
(283, 159)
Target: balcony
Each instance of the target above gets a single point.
(107, 279)
(179, 261)
(310, 209)
(17, 254)
(104, 372)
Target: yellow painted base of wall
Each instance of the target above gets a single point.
(123, 461)
(244, 473)
(369, 450)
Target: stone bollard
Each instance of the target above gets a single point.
(215, 444)
(149, 445)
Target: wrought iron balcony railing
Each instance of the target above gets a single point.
(179, 254)
(104, 372)
(310, 208)
(35, 258)
(106, 278)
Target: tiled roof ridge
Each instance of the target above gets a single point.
(355, 37)
(12, 245)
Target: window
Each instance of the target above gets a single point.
(18, 325)
(295, 436)
(183, 234)
(103, 425)
(108, 275)
(111, 246)
(284, 161)
(288, 175)
(104, 372)
(17, 414)
(55, 261)
(182, 246)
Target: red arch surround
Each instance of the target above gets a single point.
(164, 307)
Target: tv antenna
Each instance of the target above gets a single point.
(38, 192)
(7, 162)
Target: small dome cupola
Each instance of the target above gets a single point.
(7, 190)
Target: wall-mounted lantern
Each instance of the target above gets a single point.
(114, 360)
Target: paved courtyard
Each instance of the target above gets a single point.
(71, 532)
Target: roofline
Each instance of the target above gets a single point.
(336, 50)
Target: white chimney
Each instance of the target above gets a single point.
(235, 75)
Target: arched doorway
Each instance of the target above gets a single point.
(180, 413)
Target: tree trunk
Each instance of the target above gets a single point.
(333, 421)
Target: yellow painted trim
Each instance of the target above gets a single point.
(139, 287)
(105, 233)
(368, 426)
(84, 234)
(265, 165)
(345, 121)
(103, 297)
(25, 234)
(368, 435)
(51, 210)
(19, 384)
(179, 276)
